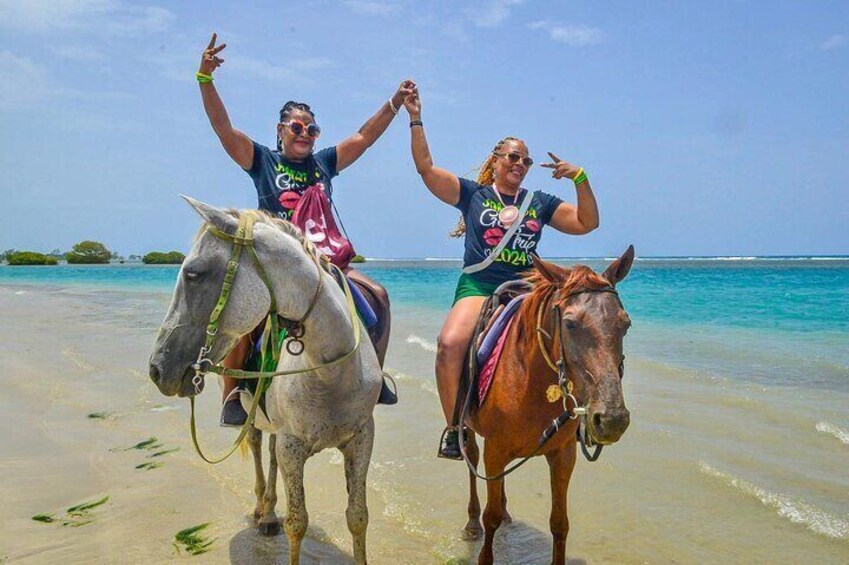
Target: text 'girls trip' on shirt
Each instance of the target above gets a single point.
(480, 206)
(280, 182)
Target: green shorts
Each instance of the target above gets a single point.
(468, 286)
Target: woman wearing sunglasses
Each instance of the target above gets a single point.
(281, 178)
(502, 222)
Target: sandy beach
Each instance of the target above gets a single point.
(664, 495)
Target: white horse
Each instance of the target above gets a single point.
(311, 410)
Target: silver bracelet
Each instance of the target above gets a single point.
(392, 107)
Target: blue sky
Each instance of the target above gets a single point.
(715, 128)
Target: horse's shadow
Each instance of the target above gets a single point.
(248, 547)
(517, 543)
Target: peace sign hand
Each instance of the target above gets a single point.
(561, 168)
(210, 59)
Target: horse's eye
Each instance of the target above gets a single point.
(191, 275)
(570, 322)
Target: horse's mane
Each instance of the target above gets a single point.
(284, 226)
(580, 276)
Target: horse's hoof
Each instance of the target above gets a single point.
(472, 532)
(271, 528)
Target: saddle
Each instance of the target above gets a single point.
(494, 320)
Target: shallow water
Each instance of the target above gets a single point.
(736, 453)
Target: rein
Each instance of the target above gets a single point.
(294, 329)
(565, 385)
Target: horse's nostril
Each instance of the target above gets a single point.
(154, 373)
(597, 418)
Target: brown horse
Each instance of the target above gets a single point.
(587, 337)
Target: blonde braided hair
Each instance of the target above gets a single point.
(486, 176)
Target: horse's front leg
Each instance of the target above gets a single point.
(561, 463)
(292, 455)
(493, 514)
(268, 524)
(473, 529)
(357, 454)
(254, 439)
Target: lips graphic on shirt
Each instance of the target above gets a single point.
(289, 199)
(532, 225)
(492, 236)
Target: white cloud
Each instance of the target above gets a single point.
(495, 12)
(575, 35)
(833, 42)
(372, 7)
(293, 70)
(110, 17)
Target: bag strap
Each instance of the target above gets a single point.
(325, 174)
(526, 203)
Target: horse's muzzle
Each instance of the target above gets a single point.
(181, 386)
(607, 426)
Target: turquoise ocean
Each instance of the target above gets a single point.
(737, 376)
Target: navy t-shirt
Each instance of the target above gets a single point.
(280, 182)
(480, 206)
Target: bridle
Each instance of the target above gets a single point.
(576, 410)
(294, 328)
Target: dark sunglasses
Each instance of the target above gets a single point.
(514, 158)
(298, 127)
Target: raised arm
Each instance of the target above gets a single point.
(443, 184)
(353, 147)
(239, 146)
(575, 220)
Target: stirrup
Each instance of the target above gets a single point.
(387, 396)
(443, 444)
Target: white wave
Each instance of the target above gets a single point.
(839, 433)
(21, 293)
(796, 511)
(427, 385)
(425, 344)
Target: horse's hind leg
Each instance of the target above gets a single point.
(473, 529)
(254, 438)
(292, 455)
(561, 463)
(268, 524)
(357, 454)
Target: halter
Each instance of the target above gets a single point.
(576, 411)
(294, 328)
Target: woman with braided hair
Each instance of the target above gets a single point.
(502, 223)
(282, 178)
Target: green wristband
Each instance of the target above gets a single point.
(203, 78)
(580, 177)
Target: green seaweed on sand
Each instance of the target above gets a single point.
(192, 541)
(149, 443)
(46, 518)
(99, 415)
(164, 452)
(75, 516)
(148, 465)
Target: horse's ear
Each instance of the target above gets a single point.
(618, 270)
(550, 271)
(212, 215)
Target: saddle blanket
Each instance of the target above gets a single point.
(492, 346)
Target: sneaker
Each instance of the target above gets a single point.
(450, 448)
(387, 395)
(232, 413)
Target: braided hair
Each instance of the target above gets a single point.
(486, 176)
(286, 110)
